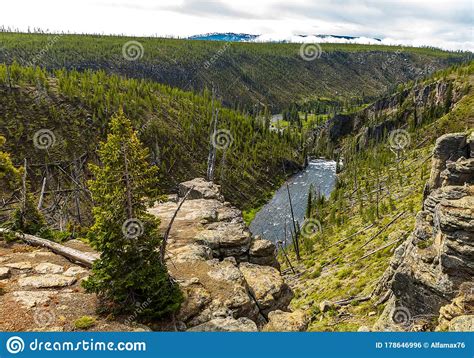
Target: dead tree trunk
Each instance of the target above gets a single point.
(296, 236)
(168, 229)
(83, 258)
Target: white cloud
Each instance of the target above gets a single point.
(445, 24)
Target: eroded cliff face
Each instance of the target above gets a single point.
(231, 280)
(430, 278)
(416, 105)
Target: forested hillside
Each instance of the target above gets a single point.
(248, 76)
(57, 121)
(349, 238)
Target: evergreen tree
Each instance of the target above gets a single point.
(10, 177)
(129, 270)
(25, 218)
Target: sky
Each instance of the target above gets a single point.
(444, 24)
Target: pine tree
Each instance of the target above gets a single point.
(129, 271)
(26, 218)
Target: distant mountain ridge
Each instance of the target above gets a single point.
(242, 37)
(227, 36)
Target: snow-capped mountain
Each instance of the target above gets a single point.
(228, 36)
(241, 37)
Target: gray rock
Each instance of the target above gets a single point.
(262, 248)
(200, 189)
(23, 265)
(325, 306)
(267, 287)
(450, 147)
(30, 299)
(424, 279)
(46, 267)
(46, 281)
(227, 324)
(279, 321)
(75, 271)
(4, 273)
(463, 323)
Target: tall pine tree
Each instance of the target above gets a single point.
(129, 271)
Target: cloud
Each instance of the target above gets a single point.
(212, 8)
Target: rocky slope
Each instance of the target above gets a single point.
(414, 106)
(230, 279)
(41, 291)
(430, 277)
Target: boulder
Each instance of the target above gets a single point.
(236, 299)
(195, 299)
(267, 287)
(46, 267)
(279, 321)
(227, 324)
(263, 252)
(23, 265)
(190, 253)
(75, 271)
(30, 299)
(325, 306)
(226, 239)
(46, 281)
(463, 323)
(4, 273)
(200, 189)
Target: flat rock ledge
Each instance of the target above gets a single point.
(230, 279)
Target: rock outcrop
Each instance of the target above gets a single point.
(417, 104)
(433, 270)
(231, 280)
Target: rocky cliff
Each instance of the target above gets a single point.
(415, 105)
(231, 280)
(430, 277)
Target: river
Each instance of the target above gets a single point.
(269, 222)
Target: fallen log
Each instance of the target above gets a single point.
(351, 236)
(383, 247)
(348, 301)
(85, 259)
(383, 229)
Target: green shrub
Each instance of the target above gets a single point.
(85, 322)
